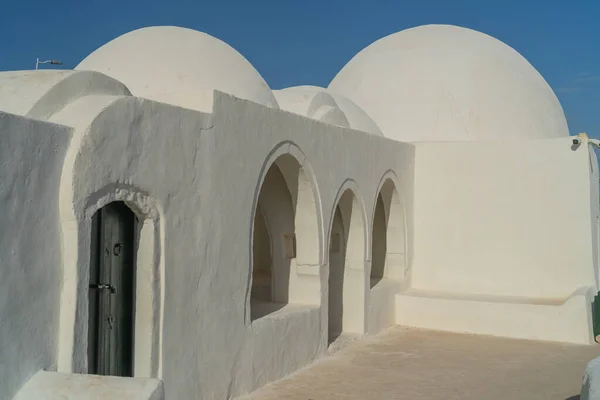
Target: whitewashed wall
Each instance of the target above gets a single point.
(506, 240)
(504, 218)
(31, 158)
(497, 219)
(193, 179)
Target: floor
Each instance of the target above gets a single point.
(418, 364)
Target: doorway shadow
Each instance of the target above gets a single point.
(337, 267)
(379, 244)
(261, 308)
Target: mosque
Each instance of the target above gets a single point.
(173, 228)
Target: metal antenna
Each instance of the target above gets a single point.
(53, 62)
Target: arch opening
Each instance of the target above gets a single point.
(81, 233)
(346, 269)
(285, 241)
(389, 256)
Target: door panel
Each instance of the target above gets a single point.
(112, 293)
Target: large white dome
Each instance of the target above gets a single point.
(179, 66)
(446, 83)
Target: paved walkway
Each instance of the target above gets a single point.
(425, 365)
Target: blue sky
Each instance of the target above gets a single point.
(295, 42)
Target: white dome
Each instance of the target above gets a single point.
(323, 105)
(446, 83)
(311, 102)
(178, 66)
(357, 117)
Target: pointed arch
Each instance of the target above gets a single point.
(347, 257)
(389, 235)
(285, 246)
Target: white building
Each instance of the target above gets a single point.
(164, 214)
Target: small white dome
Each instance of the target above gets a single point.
(311, 102)
(323, 105)
(446, 83)
(179, 66)
(357, 117)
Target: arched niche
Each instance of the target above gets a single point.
(389, 239)
(78, 244)
(285, 240)
(346, 282)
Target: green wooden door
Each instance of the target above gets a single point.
(111, 293)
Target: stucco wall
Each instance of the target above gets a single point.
(504, 218)
(494, 219)
(31, 157)
(245, 139)
(499, 219)
(194, 179)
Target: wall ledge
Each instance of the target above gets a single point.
(46, 385)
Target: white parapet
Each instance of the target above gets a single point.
(47, 385)
(567, 320)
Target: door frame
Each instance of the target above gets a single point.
(76, 221)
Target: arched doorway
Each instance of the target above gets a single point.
(111, 291)
(285, 243)
(346, 269)
(389, 257)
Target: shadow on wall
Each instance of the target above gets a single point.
(389, 258)
(346, 268)
(379, 242)
(338, 243)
